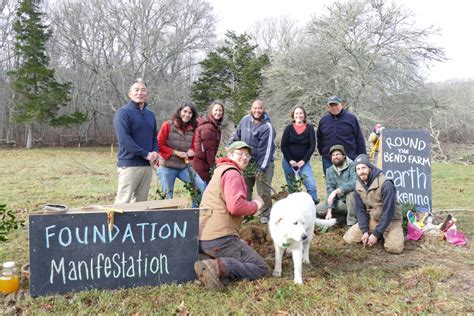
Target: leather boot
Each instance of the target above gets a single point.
(209, 274)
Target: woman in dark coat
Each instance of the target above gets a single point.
(207, 139)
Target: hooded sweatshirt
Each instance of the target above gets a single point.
(258, 135)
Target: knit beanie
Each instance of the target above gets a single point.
(363, 159)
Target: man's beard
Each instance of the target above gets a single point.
(364, 177)
(339, 162)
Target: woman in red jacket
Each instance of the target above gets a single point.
(175, 149)
(207, 139)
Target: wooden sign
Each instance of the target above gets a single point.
(78, 251)
(406, 159)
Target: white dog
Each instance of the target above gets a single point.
(291, 226)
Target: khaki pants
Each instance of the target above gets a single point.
(393, 235)
(133, 184)
(263, 190)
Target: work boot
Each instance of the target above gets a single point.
(208, 273)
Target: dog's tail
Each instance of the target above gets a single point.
(325, 222)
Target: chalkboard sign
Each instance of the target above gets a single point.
(78, 251)
(406, 159)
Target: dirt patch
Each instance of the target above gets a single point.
(330, 253)
(258, 237)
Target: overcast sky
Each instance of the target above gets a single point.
(453, 17)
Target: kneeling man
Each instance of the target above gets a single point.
(223, 206)
(377, 209)
(340, 183)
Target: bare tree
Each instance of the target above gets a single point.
(7, 61)
(101, 46)
(368, 52)
(276, 35)
(454, 113)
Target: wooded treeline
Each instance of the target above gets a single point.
(370, 52)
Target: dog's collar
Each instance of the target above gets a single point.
(286, 244)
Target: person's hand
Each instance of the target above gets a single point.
(329, 213)
(260, 176)
(372, 240)
(257, 199)
(152, 156)
(179, 154)
(365, 238)
(294, 165)
(190, 153)
(300, 164)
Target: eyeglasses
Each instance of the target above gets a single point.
(241, 154)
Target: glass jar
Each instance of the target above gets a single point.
(9, 281)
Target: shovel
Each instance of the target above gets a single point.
(297, 172)
(196, 199)
(190, 172)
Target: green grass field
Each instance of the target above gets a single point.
(430, 276)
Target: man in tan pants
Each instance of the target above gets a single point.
(377, 209)
(135, 126)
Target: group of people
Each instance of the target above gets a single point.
(184, 148)
(358, 195)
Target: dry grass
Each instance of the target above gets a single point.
(430, 276)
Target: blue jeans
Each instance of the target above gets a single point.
(168, 177)
(306, 172)
(326, 164)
